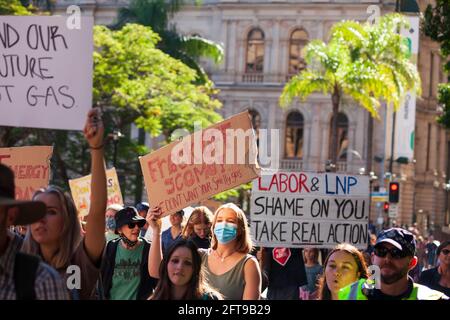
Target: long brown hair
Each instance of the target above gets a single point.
(70, 233)
(199, 215)
(197, 285)
(243, 239)
(324, 292)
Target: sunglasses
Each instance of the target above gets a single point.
(133, 224)
(445, 252)
(394, 252)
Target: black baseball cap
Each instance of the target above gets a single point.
(400, 238)
(128, 215)
(142, 206)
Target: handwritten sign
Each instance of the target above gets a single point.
(299, 209)
(203, 164)
(31, 166)
(45, 72)
(81, 191)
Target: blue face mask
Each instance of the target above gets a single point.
(225, 232)
(110, 223)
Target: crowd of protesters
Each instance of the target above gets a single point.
(208, 256)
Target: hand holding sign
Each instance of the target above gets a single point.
(154, 218)
(93, 129)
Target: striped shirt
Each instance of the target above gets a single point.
(48, 283)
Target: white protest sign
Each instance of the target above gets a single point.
(300, 209)
(45, 72)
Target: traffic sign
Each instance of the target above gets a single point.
(393, 210)
(379, 196)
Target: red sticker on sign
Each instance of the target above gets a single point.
(281, 255)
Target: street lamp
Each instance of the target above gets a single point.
(115, 136)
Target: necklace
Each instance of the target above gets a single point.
(220, 256)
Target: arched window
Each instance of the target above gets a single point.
(294, 135)
(256, 123)
(298, 40)
(342, 133)
(255, 51)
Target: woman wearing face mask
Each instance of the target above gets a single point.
(198, 227)
(229, 266)
(111, 221)
(344, 265)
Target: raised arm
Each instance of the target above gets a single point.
(252, 275)
(155, 256)
(95, 227)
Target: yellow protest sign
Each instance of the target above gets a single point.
(81, 191)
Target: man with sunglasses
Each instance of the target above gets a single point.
(439, 278)
(125, 264)
(394, 254)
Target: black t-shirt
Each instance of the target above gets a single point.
(431, 278)
(376, 294)
(290, 275)
(201, 243)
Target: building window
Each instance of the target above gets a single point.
(432, 92)
(298, 40)
(294, 135)
(256, 123)
(342, 133)
(427, 163)
(255, 52)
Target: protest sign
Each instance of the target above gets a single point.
(45, 72)
(300, 209)
(203, 164)
(31, 166)
(81, 191)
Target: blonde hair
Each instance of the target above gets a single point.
(243, 239)
(70, 233)
(199, 215)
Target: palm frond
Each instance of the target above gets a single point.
(303, 84)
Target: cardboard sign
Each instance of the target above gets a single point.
(81, 191)
(301, 209)
(203, 164)
(45, 72)
(31, 166)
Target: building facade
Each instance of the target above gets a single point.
(263, 40)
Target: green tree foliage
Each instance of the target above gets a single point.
(145, 85)
(367, 63)
(13, 7)
(436, 25)
(156, 14)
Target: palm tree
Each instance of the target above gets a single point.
(365, 62)
(156, 14)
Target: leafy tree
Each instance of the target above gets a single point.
(156, 14)
(436, 25)
(13, 7)
(365, 62)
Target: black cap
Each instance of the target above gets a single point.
(128, 215)
(142, 206)
(399, 238)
